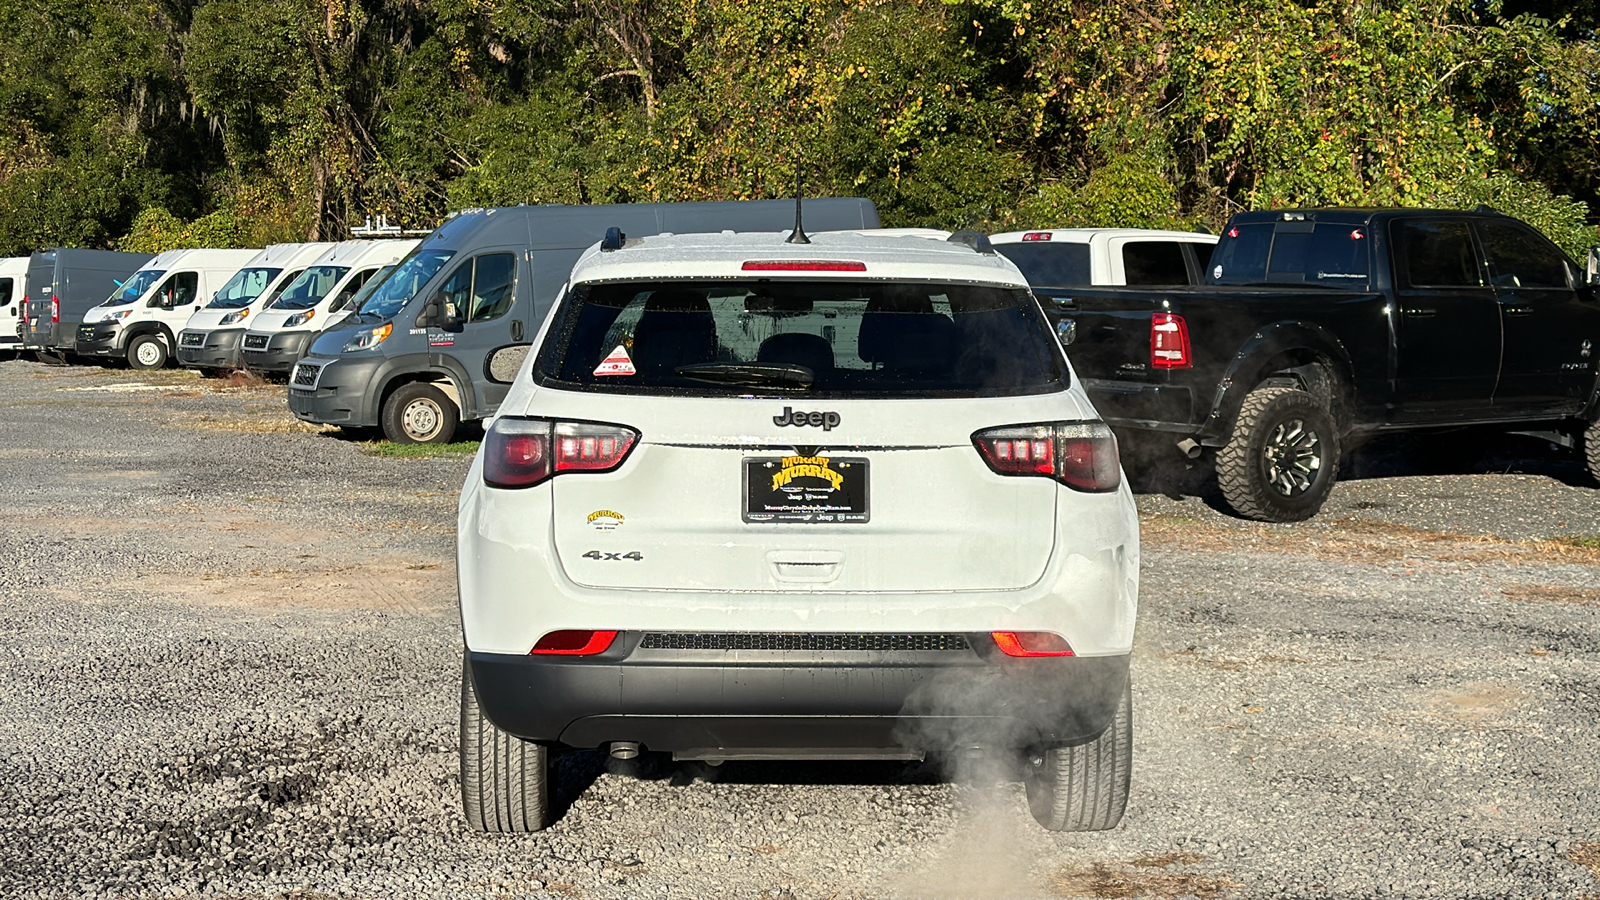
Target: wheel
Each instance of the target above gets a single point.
(147, 351)
(505, 782)
(419, 413)
(1591, 449)
(1084, 786)
(1283, 456)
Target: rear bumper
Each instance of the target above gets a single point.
(280, 353)
(730, 704)
(337, 393)
(217, 349)
(100, 339)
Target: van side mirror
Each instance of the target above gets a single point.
(439, 312)
(502, 365)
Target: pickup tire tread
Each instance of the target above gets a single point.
(505, 781)
(1242, 477)
(1084, 786)
(1591, 450)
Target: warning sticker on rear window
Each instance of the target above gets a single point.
(617, 362)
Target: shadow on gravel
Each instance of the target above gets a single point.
(1154, 466)
(661, 767)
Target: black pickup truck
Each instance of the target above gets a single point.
(1318, 326)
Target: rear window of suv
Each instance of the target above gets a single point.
(857, 338)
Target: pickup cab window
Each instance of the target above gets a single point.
(1154, 263)
(1327, 254)
(1434, 254)
(1050, 264)
(1520, 258)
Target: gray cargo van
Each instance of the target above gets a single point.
(63, 284)
(413, 359)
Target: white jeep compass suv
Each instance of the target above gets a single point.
(750, 499)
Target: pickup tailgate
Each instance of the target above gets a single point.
(1111, 349)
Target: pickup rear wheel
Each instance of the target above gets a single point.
(505, 781)
(1591, 449)
(419, 413)
(1084, 786)
(1283, 456)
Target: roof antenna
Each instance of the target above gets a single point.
(798, 236)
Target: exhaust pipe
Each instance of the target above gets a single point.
(624, 749)
(1189, 447)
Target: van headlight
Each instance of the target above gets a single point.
(233, 317)
(299, 318)
(367, 338)
(114, 316)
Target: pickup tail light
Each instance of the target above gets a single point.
(1080, 455)
(1169, 342)
(521, 453)
(1031, 643)
(573, 643)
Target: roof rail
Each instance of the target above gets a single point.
(613, 240)
(977, 240)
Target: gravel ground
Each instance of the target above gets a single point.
(231, 661)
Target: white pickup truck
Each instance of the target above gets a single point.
(1107, 256)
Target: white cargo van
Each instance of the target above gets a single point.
(142, 318)
(314, 302)
(212, 339)
(13, 284)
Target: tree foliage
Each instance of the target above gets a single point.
(223, 121)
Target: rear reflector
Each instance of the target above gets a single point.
(521, 453)
(573, 643)
(803, 265)
(1169, 342)
(1037, 236)
(1031, 643)
(1080, 455)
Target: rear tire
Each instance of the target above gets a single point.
(505, 781)
(147, 351)
(1591, 450)
(419, 413)
(1280, 463)
(1084, 786)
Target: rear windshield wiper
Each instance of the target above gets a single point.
(754, 374)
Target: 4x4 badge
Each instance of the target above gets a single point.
(827, 420)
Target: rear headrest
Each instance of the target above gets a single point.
(797, 348)
(884, 317)
(677, 301)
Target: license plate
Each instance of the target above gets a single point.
(813, 489)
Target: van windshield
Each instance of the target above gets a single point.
(312, 285)
(243, 288)
(408, 277)
(830, 339)
(134, 287)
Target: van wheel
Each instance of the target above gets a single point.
(505, 781)
(1084, 786)
(419, 413)
(1280, 463)
(147, 351)
(1591, 450)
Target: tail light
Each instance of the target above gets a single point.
(1080, 455)
(55, 309)
(1169, 342)
(521, 453)
(1031, 643)
(573, 643)
(1038, 236)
